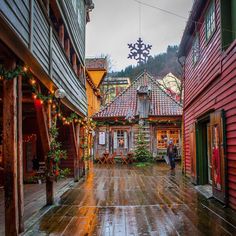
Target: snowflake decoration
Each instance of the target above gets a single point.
(139, 51)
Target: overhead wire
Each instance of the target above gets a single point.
(175, 14)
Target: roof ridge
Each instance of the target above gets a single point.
(131, 86)
(119, 95)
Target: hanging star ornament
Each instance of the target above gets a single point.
(139, 51)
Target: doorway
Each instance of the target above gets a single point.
(204, 153)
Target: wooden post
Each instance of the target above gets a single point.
(10, 156)
(67, 48)
(43, 131)
(62, 34)
(77, 131)
(20, 157)
(76, 161)
(81, 153)
(74, 62)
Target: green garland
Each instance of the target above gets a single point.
(11, 74)
(55, 155)
(25, 72)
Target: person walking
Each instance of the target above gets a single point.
(172, 153)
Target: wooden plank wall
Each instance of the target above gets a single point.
(64, 76)
(76, 31)
(17, 13)
(212, 85)
(40, 37)
(32, 25)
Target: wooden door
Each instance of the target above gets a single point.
(192, 134)
(209, 154)
(29, 151)
(217, 123)
(120, 141)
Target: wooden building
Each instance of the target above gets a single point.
(96, 71)
(112, 87)
(143, 103)
(207, 51)
(44, 40)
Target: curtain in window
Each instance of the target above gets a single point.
(115, 140)
(125, 140)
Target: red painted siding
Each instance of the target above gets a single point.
(211, 85)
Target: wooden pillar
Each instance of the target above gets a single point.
(81, 152)
(77, 133)
(44, 135)
(20, 157)
(67, 48)
(62, 34)
(74, 62)
(10, 145)
(76, 158)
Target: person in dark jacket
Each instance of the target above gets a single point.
(172, 154)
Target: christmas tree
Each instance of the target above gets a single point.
(142, 153)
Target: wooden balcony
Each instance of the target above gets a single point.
(37, 40)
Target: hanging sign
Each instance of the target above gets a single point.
(102, 138)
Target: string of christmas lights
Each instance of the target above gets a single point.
(49, 98)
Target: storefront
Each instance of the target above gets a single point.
(144, 104)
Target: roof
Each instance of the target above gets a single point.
(116, 80)
(194, 16)
(162, 104)
(96, 63)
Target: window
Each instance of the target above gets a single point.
(163, 136)
(228, 22)
(196, 49)
(210, 22)
(120, 139)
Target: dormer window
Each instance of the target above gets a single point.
(196, 49)
(210, 20)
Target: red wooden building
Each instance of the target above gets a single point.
(208, 52)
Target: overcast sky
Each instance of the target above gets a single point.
(114, 23)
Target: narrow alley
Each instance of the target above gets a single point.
(130, 200)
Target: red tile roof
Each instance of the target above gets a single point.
(162, 104)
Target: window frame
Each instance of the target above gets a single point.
(211, 9)
(194, 53)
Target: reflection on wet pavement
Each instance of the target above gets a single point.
(128, 200)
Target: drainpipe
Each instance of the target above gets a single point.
(183, 164)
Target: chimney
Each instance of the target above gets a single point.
(143, 101)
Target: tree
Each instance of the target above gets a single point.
(142, 154)
(171, 83)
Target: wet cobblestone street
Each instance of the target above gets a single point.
(129, 200)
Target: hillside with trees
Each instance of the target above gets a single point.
(158, 66)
